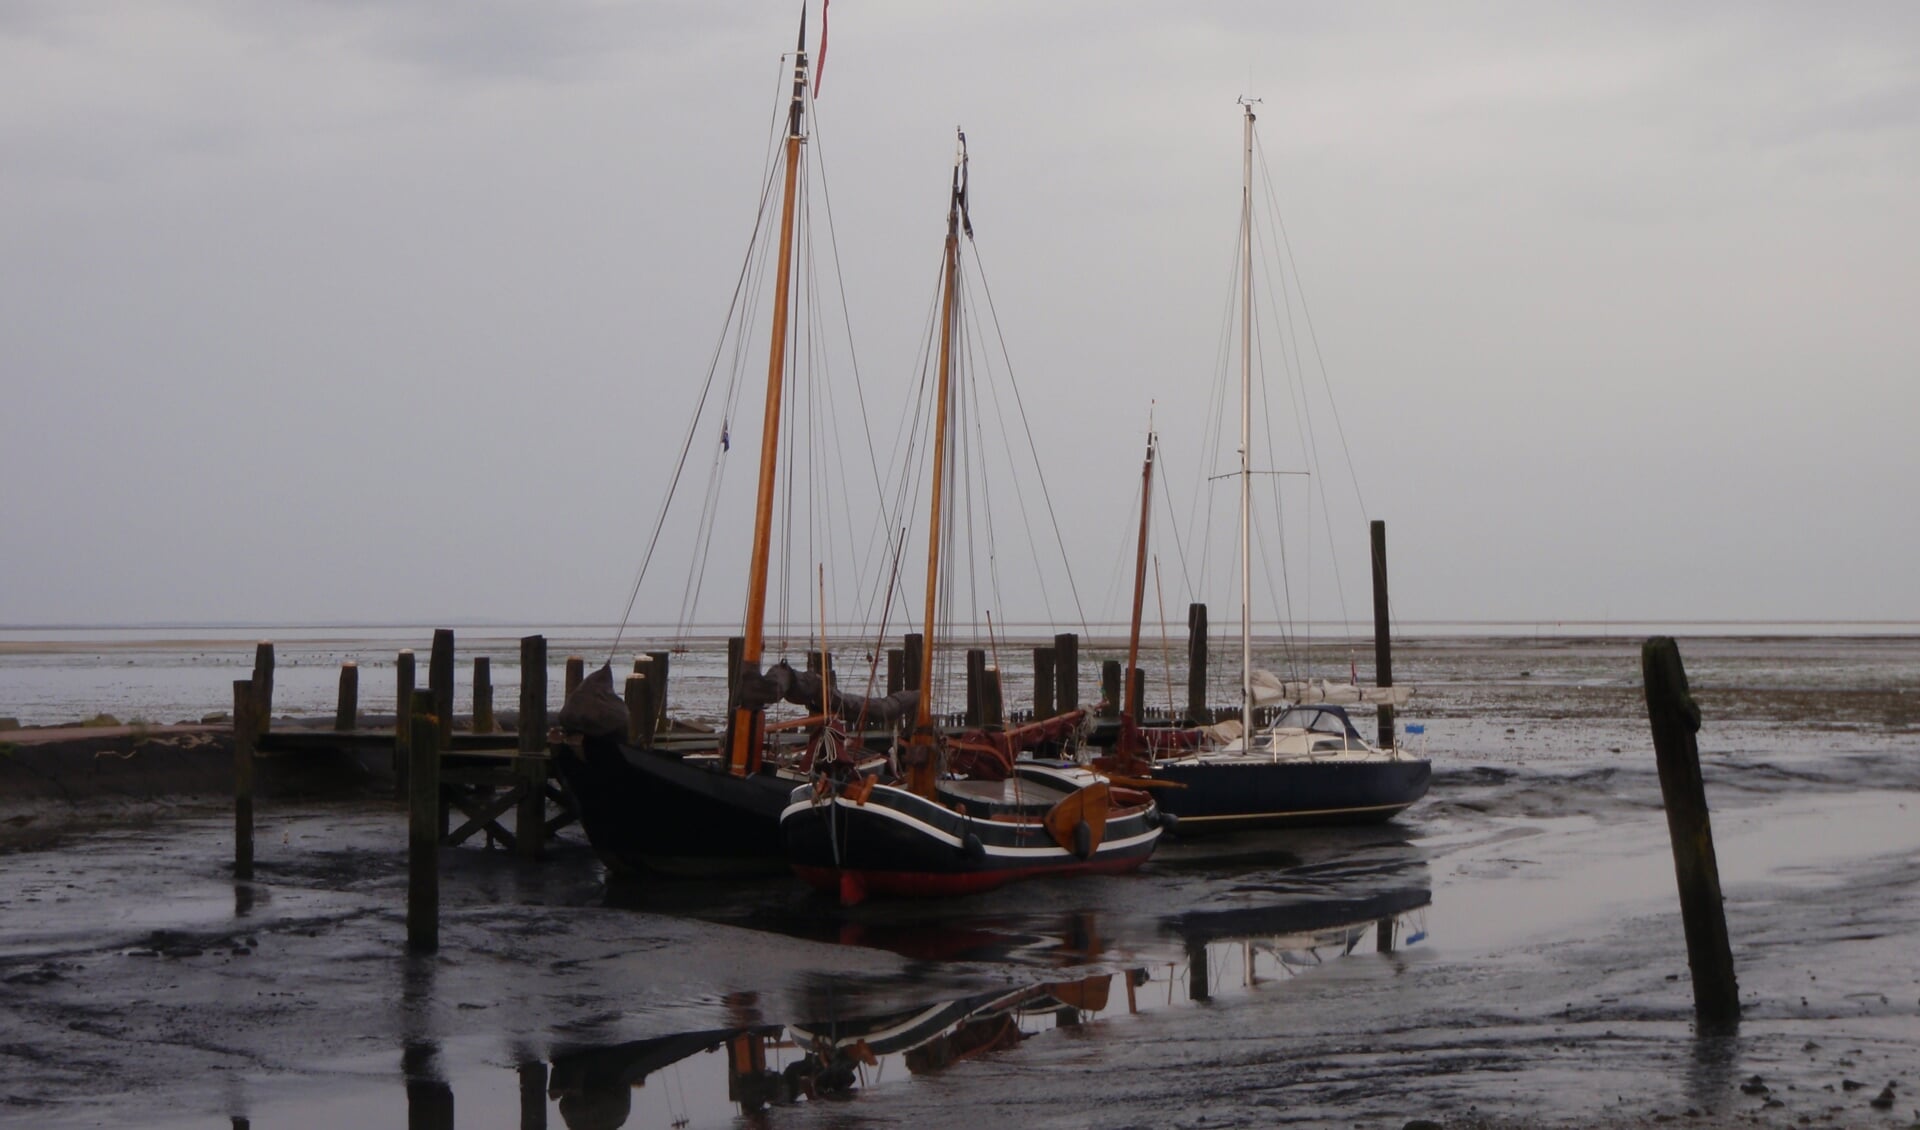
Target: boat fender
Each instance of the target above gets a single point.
(1166, 821)
(1083, 839)
(972, 848)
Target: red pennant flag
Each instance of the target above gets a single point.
(820, 66)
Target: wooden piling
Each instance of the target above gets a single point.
(1138, 706)
(403, 688)
(440, 682)
(1199, 988)
(346, 712)
(423, 828)
(1045, 659)
(482, 695)
(246, 731)
(1110, 686)
(1383, 936)
(1197, 663)
(1066, 678)
(993, 707)
(1675, 719)
(533, 1095)
(1382, 630)
(896, 670)
(530, 818)
(976, 686)
(263, 683)
(736, 648)
(660, 662)
(576, 673)
(533, 694)
(640, 711)
(916, 648)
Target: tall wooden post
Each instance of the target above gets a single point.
(916, 646)
(976, 686)
(1199, 987)
(1675, 719)
(993, 706)
(640, 711)
(440, 682)
(530, 818)
(403, 687)
(1197, 663)
(896, 670)
(533, 1095)
(576, 674)
(736, 647)
(1110, 685)
(1382, 630)
(533, 694)
(246, 731)
(1066, 680)
(346, 712)
(423, 829)
(659, 661)
(263, 683)
(1137, 680)
(482, 695)
(1045, 659)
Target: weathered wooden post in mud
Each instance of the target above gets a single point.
(402, 720)
(1199, 987)
(736, 647)
(482, 695)
(976, 686)
(576, 672)
(1197, 663)
(533, 1095)
(1066, 678)
(530, 819)
(423, 828)
(246, 730)
(1138, 705)
(263, 684)
(993, 704)
(658, 663)
(440, 682)
(1110, 687)
(1045, 660)
(346, 712)
(1675, 719)
(916, 650)
(896, 670)
(641, 721)
(1382, 629)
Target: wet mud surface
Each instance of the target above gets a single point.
(1508, 954)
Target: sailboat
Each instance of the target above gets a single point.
(1309, 765)
(967, 815)
(716, 809)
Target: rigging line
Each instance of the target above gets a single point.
(1019, 497)
(846, 313)
(992, 312)
(693, 425)
(1312, 335)
(1310, 443)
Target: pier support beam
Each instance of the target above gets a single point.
(423, 828)
(576, 673)
(1045, 660)
(1066, 678)
(440, 682)
(246, 730)
(1197, 664)
(403, 686)
(263, 684)
(916, 645)
(482, 695)
(1675, 719)
(530, 820)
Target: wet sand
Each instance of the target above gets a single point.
(1534, 972)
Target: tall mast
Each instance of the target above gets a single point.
(1129, 725)
(922, 765)
(746, 730)
(1246, 436)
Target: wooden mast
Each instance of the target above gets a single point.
(922, 768)
(1129, 725)
(746, 728)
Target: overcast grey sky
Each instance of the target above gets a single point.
(375, 310)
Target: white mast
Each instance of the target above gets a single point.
(1246, 445)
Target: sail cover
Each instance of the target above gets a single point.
(1270, 689)
(782, 683)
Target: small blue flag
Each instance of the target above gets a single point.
(1416, 728)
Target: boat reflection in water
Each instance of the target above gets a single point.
(715, 1076)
